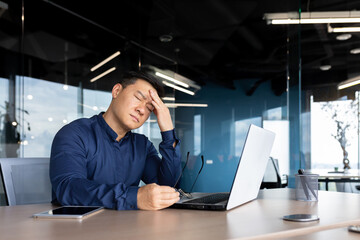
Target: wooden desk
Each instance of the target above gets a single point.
(259, 219)
(353, 175)
(338, 233)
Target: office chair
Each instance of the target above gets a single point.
(272, 178)
(2, 193)
(26, 180)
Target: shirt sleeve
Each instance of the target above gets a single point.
(68, 175)
(163, 171)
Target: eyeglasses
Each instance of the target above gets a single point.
(182, 193)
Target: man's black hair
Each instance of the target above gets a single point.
(132, 76)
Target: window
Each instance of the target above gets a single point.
(334, 133)
(197, 134)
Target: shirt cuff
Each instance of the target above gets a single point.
(131, 198)
(169, 135)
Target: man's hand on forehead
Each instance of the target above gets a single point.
(147, 99)
(161, 111)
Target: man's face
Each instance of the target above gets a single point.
(132, 105)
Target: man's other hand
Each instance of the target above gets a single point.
(155, 197)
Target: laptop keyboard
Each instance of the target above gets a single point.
(213, 198)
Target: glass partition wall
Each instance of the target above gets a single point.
(48, 78)
(50, 74)
(329, 97)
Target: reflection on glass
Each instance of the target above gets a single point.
(273, 114)
(48, 109)
(241, 129)
(7, 130)
(95, 101)
(280, 149)
(197, 134)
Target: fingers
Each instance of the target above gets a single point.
(156, 101)
(162, 112)
(155, 96)
(167, 189)
(155, 197)
(167, 199)
(164, 203)
(169, 196)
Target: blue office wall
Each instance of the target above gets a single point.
(223, 127)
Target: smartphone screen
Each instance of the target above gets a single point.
(69, 212)
(73, 210)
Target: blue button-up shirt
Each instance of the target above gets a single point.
(89, 167)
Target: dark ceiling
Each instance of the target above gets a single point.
(211, 41)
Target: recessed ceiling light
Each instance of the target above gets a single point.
(343, 37)
(166, 38)
(355, 51)
(325, 67)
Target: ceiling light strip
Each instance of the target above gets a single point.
(345, 29)
(172, 105)
(151, 121)
(168, 98)
(105, 61)
(313, 17)
(314, 20)
(171, 79)
(349, 83)
(178, 88)
(102, 74)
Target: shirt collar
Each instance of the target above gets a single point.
(109, 131)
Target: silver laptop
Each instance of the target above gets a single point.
(248, 177)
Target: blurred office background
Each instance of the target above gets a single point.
(236, 67)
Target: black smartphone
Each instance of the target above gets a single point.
(69, 212)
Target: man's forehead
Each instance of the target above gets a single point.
(143, 95)
(142, 86)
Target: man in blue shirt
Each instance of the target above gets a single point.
(99, 161)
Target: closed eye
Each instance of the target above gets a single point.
(150, 107)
